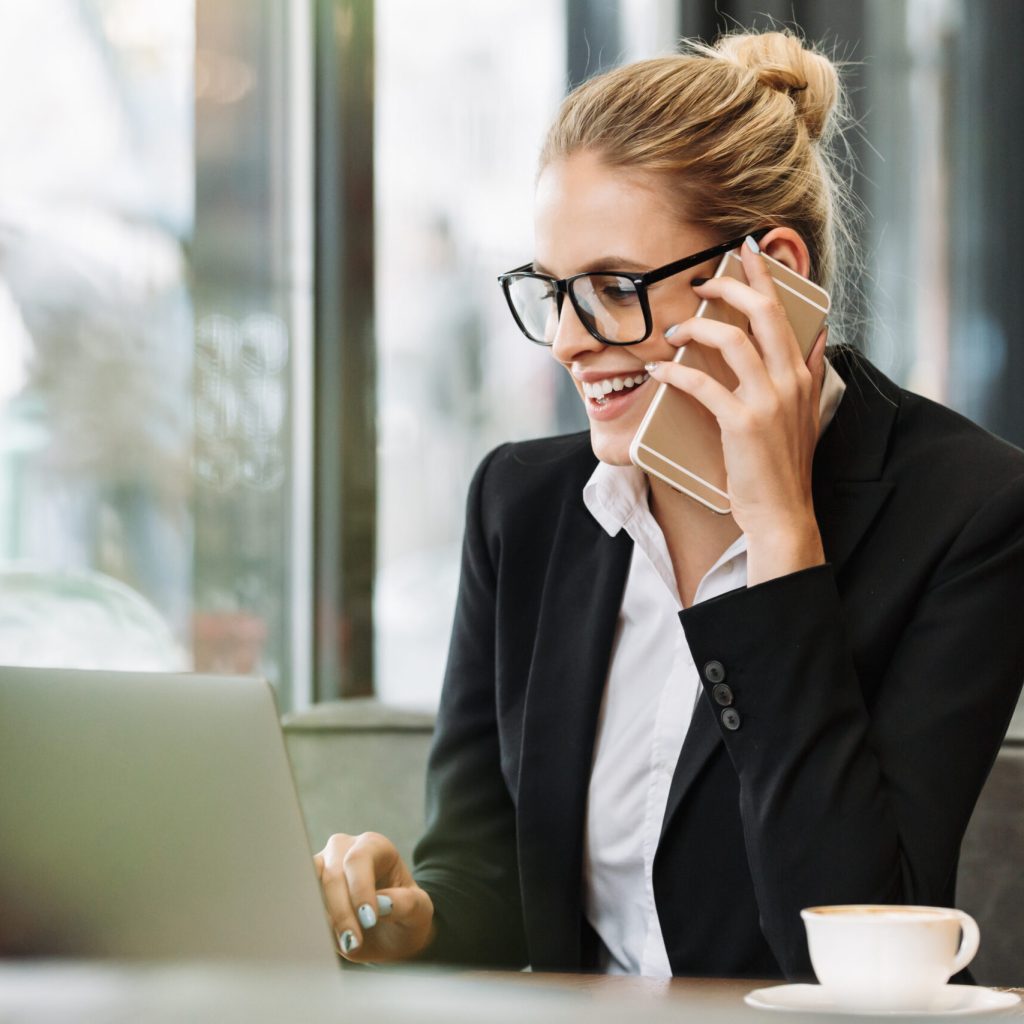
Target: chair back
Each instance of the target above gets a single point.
(990, 883)
(360, 766)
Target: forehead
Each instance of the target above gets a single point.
(585, 209)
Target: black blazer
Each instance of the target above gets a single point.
(872, 693)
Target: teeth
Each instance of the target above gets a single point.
(600, 389)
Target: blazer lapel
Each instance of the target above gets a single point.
(702, 739)
(848, 495)
(579, 614)
(848, 489)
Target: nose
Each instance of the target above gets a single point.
(572, 339)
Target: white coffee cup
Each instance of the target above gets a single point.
(877, 957)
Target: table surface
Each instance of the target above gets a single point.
(87, 993)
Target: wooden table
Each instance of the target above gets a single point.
(686, 996)
(117, 994)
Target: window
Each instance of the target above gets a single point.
(153, 287)
(163, 396)
(459, 123)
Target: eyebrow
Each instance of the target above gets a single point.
(602, 263)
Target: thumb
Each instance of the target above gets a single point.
(401, 903)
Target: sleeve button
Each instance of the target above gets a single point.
(714, 672)
(722, 694)
(731, 719)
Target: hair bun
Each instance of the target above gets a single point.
(782, 62)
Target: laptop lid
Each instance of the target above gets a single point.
(151, 816)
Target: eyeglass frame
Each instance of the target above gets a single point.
(563, 286)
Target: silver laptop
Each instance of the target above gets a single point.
(151, 816)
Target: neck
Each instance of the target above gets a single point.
(695, 536)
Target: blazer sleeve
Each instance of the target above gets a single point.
(466, 860)
(843, 801)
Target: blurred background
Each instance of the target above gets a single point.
(251, 342)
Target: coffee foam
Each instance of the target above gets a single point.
(893, 912)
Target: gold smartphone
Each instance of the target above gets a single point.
(679, 440)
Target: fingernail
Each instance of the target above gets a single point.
(698, 281)
(751, 244)
(384, 905)
(651, 367)
(366, 915)
(671, 330)
(349, 941)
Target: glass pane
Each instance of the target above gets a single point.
(96, 322)
(459, 124)
(464, 98)
(251, 294)
(146, 313)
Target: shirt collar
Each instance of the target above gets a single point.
(833, 387)
(613, 493)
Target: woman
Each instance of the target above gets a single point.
(663, 732)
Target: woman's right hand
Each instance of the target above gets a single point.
(378, 911)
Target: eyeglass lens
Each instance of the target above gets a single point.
(608, 304)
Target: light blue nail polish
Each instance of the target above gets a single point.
(651, 367)
(384, 905)
(671, 330)
(366, 915)
(349, 941)
(751, 244)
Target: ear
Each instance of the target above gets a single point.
(786, 246)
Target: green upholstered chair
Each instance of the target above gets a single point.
(359, 766)
(990, 884)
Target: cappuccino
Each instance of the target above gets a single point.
(881, 957)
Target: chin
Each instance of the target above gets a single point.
(612, 448)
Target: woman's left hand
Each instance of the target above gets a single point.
(769, 423)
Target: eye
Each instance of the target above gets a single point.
(616, 291)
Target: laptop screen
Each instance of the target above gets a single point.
(151, 816)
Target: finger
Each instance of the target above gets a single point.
(337, 897)
(760, 304)
(736, 348)
(318, 863)
(370, 858)
(409, 915)
(716, 398)
(759, 275)
(402, 904)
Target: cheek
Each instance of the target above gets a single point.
(565, 368)
(671, 303)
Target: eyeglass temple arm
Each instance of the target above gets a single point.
(661, 273)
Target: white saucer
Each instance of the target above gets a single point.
(954, 1001)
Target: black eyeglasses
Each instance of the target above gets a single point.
(612, 305)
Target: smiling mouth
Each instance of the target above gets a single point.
(603, 391)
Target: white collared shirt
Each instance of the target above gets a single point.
(648, 701)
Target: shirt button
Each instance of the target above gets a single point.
(722, 694)
(731, 719)
(714, 672)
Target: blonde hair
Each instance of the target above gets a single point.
(742, 131)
